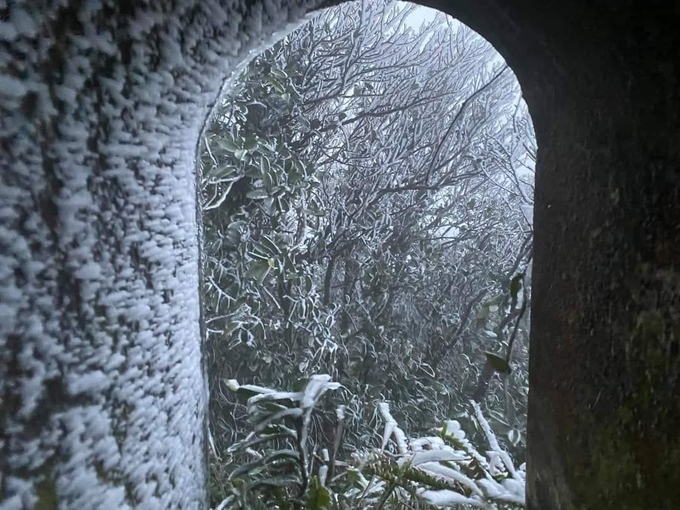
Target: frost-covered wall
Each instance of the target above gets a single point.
(101, 104)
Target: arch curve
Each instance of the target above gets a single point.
(103, 401)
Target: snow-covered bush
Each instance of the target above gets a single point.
(363, 218)
(279, 465)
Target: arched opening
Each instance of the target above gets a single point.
(367, 194)
(103, 398)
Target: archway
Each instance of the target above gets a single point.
(102, 106)
(376, 245)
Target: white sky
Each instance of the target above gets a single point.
(424, 14)
(420, 15)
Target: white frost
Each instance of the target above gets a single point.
(12, 87)
(445, 498)
(392, 429)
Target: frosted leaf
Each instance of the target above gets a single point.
(316, 387)
(490, 487)
(444, 498)
(436, 456)
(515, 487)
(323, 473)
(428, 443)
(392, 429)
(454, 429)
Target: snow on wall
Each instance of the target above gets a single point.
(101, 105)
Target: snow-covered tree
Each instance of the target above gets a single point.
(362, 213)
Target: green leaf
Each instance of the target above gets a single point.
(258, 440)
(270, 246)
(291, 456)
(250, 142)
(278, 86)
(283, 204)
(257, 194)
(308, 283)
(227, 144)
(233, 233)
(304, 123)
(258, 271)
(264, 421)
(265, 166)
(279, 73)
(240, 154)
(318, 497)
(253, 172)
(498, 363)
(268, 203)
(257, 253)
(244, 392)
(226, 172)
